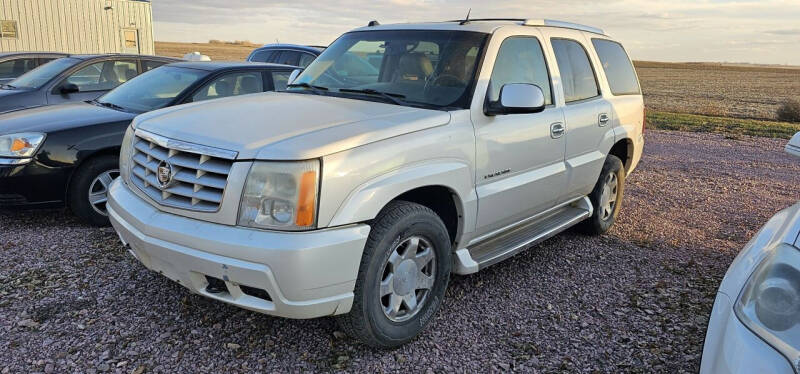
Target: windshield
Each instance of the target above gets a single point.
(40, 76)
(434, 69)
(152, 90)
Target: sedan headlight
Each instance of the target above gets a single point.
(769, 304)
(281, 195)
(20, 145)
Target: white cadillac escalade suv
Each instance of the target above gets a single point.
(404, 153)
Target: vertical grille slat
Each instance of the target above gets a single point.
(199, 173)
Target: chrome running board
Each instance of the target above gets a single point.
(519, 238)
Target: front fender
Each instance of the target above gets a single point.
(365, 201)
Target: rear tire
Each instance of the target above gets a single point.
(88, 190)
(402, 278)
(606, 197)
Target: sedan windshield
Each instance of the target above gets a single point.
(152, 90)
(434, 69)
(40, 76)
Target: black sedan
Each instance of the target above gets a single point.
(74, 78)
(70, 153)
(14, 64)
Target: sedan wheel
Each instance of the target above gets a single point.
(98, 190)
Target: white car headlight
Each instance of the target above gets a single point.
(20, 145)
(769, 304)
(281, 195)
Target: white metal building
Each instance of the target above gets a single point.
(77, 26)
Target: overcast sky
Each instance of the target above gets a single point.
(758, 31)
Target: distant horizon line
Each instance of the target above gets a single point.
(729, 63)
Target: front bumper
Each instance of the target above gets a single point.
(305, 274)
(731, 347)
(32, 184)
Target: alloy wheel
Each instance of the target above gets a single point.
(98, 190)
(407, 278)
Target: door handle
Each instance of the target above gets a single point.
(556, 130)
(603, 119)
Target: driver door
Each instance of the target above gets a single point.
(94, 80)
(520, 168)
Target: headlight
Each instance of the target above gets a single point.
(125, 154)
(20, 145)
(281, 195)
(770, 302)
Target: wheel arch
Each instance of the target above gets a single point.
(624, 150)
(83, 159)
(443, 187)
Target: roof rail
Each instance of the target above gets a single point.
(541, 22)
(566, 25)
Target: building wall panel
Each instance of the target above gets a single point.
(76, 26)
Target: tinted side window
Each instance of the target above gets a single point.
(520, 60)
(232, 84)
(577, 75)
(289, 58)
(104, 75)
(618, 67)
(44, 60)
(306, 59)
(262, 55)
(148, 65)
(280, 79)
(15, 68)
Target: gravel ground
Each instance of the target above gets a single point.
(635, 300)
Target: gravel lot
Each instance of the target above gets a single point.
(636, 300)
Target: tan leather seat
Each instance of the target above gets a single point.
(413, 67)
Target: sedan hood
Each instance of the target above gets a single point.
(287, 126)
(58, 117)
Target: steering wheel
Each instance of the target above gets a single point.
(444, 80)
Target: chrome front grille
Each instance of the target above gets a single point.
(197, 174)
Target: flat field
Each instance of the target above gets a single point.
(217, 51)
(722, 90)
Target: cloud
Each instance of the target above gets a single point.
(783, 32)
(659, 30)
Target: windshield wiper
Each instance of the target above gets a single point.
(393, 97)
(8, 86)
(316, 89)
(110, 105)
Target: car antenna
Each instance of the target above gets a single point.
(466, 20)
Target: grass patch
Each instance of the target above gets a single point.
(721, 125)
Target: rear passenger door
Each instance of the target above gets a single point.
(587, 114)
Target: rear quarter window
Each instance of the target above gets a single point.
(617, 66)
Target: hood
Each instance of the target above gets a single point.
(17, 99)
(59, 117)
(287, 126)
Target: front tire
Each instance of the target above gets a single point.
(88, 191)
(402, 278)
(606, 197)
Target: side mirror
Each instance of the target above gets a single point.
(793, 148)
(69, 88)
(294, 75)
(517, 98)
